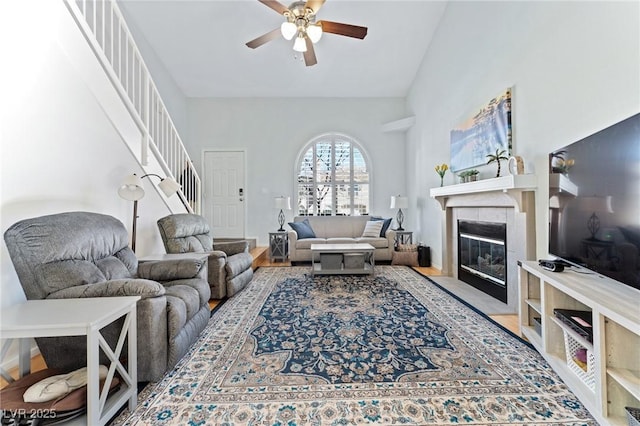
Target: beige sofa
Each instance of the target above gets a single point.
(338, 230)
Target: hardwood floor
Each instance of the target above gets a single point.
(261, 258)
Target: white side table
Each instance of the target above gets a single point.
(81, 317)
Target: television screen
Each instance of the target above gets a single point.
(594, 202)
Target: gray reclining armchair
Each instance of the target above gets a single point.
(229, 262)
(80, 254)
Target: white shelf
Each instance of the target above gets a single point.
(578, 338)
(401, 125)
(616, 335)
(628, 379)
(317, 270)
(535, 305)
(562, 185)
(532, 336)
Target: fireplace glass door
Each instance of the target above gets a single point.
(482, 257)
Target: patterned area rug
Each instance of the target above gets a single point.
(390, 349)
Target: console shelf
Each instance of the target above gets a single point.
(612, 380)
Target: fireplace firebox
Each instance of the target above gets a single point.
(482, 250)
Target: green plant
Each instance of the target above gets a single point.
(497, 157)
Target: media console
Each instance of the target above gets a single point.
(605, 373)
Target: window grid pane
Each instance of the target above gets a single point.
(360, 172)
(324, 201)
(361, 199)
(305, 200)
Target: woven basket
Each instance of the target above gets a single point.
(633, 416)
(571, 345)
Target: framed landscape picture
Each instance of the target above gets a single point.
(489, 129)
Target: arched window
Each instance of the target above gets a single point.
(333, 178)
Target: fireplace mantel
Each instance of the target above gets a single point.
(487, 192)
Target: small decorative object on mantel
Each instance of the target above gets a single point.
(515, 165)
(441, 169)
(469, 176)
(559, 164)
(497, 157)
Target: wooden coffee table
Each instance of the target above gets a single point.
(366, 249)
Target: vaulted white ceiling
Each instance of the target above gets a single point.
(202, 45)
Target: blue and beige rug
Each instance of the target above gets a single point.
(391, 350)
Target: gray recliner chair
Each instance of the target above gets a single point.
(81, 254)
(229, 262)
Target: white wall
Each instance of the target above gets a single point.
(574, 70)
(274, 131)
(60, 152)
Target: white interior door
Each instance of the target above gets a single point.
(224, 191)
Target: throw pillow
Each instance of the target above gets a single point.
(372, 229)
(303, 229)
(408, 258)
(386, 223)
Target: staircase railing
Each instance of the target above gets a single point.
(104, 27)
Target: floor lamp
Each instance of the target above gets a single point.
(132, 190)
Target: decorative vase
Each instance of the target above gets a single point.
(441, 180)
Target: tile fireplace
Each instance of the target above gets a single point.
(487, 226)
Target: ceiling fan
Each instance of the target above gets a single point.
(301, 23)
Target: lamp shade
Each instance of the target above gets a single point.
(399, 202)
(169, 186)
(282, 203)
(288, 30)
(314, 31)
(131, 188)
(300, 45)
(598, 204)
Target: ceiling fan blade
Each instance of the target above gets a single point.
(310, 54)
(264, 38)
(275, 5)
(343, 29)
(314, 5)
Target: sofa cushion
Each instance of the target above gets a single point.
(306, 243)
(341, 240)
(375, 242)
(386, 223)
(372, 229)
(303, 229)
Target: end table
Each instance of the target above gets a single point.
(404, 237)
(278, 246)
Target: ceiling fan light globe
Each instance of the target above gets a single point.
(300, 45)
(315, 33)
(288, 30)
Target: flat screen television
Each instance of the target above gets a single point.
(594, 202)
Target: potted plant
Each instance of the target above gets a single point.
(473, 175)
